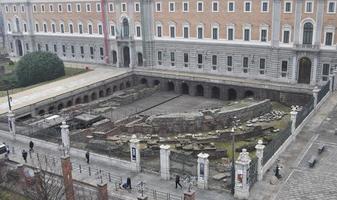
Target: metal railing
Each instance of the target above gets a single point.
(324, 90)
(306, 109)
(252, 174)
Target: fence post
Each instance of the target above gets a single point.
(335, 81)
(315, 94)
(203, 170)
(293, 116)
(241, 174)
(67, 177)
(259, 154)
(102, 191)
(189, 195)
(65, 138)
(331, 77)
(165, 162)
(135, 154)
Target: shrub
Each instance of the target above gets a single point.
(37, 67)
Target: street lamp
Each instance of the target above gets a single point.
(234, 122)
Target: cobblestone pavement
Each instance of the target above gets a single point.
(299, 180)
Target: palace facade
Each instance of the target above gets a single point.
(286, 41)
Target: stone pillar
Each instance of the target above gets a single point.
(189, 195)
(259, 154)
(38, 183)
(203, 170)
(331, 78)
(241, 175)
(11, 124)
(65, 138)
(276, 23)
(315, 94)
(102, 191)
(165, 162)
(134, 153)
(67, 177)
(293, 115)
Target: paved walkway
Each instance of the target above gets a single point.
(299, 181)
(153, 181)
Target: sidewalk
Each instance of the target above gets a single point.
(152, 181)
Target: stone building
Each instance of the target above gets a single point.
(284, 41)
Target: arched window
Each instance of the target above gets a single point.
(140, 59)
(307, 33)
(125, 28)
(17, 24)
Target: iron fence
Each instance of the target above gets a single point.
(252, 172)
(159, 195)
(324, 90)
(275, 144)
(306, 109)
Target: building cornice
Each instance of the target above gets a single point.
(43, 1)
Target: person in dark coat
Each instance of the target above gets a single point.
(178, 181)
(128, 182)
(87, 156)
(31, 146)
(277, 172)
(24, 155)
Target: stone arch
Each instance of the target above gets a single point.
(41, 112)
(127, 84)
(304, 71)
(232, 95)
(86, 99)
(114, 89)
(93, 96)
(108, 91)
(101, 94)
(170, 86)
(199, 90)
(60, 106)
(215, 92)
(185, 89)
(121, 86)
(69, 103)
(308, 31)
(78, 100)
(249, 94)
(156, 82)
(51, 109)
(143, 81)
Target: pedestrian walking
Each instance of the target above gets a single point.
(87, 156)
(24, 155)
(277, 172)
(128, 182)
(31, 146)
(178, 181)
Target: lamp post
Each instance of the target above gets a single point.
(235, 121)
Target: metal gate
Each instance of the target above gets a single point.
(252, 172)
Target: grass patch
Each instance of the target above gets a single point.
(6, 194)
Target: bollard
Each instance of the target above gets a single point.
(109, 177)
(89, 171)
(38, 157)
(13, 150)
(46, 160)
(80, 168)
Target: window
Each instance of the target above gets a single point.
(172, 31)
(231, 6)
(82, 51)
(9, 28)
(215, 33)
(186, 31)
(185, 6)
(100, 29)
(230, 33)
(158, 6)
(137, 7)
(47, 47)
(245, 64)
(90, 29)
(14, 8)
(186, 59)
(331, 7)
(92, 52)
(27, 46)
(307, 33)
(80, 29)
(71, 28)
(98, 7)
(248, 7)
(42, 8)
(328, 38)
(45, 28)
(55, 48)
(262, 65)
(22, 8)
(51, 8)
(263, 36)
(229, 63)
(172, 6)
(200, 6)
(246, 36)
(34, 8)
(287, 7)
(215, 6)
(62, 28)
(173, 59)
(11, 44)
(88, 7)
(138, 31)
(36, 27)
(200, 61)
(286, 36)
(25, 28)
(101, 52)
(124, 9)
(78, 7)
(200, 32)
(64, 50)
(39, 47)
(284, 68)
(69, 8)
(309, 6)
(111, 7)
(7, 9)
(160, 57)
(214, 62)
(264, 6)
(60, 8)
(325, 72)
(159, 31)
(112, 30)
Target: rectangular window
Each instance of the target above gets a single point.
(9, 28)
(185, 6)
(264, 6)
(34, 8)
(39, 47)
(45, 28)
(172, 31)
(112, 30)
(200, 61)
(173, 59)
(7, 9)
(325, 72)
(172, 6)
(80, 29)
(36, 28)
(27, 47)
(111, 7)
(64, 50)
(284, 68)
(137, 7)
(78, 7)
(262, 66)
(14, 8)
(138, 31)
(158, 6)
(62, 28)
(82, 51)
(215, 6)
(71, 29)
(200, 6)
(186, 59)
(229, 63)
(215, 32)
(214, 62)
(160, 57)
(231, 6)
(159, 30)
(25, 28)
(124, 8)
(92, 52)
(247, 7)
(287, 7)
(55, 48)
(186, 32)
(90, 29)
(88, 7)
(100, 30)
(59, 7)
(245, 64)
(98, 7)
(286, 36)
(308, 6)
(230, 34)
(47, 47)
(22, 8)
(42, 8)
(51, 8)
(246, 34)
(331, 7)
(328, 38)
(69, 8)
(200, 32)
(263, 35)
(101, 53)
